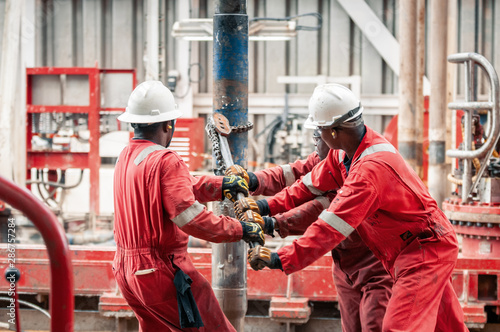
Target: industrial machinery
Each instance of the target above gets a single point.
(474, 207)
(68, 110)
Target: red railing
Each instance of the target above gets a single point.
(61, 272)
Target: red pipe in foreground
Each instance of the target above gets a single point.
(61, 272)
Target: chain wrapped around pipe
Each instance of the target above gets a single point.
(214, 138)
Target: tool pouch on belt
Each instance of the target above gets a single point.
(189, 316)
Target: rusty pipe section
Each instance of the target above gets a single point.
(61, 302)
(230, 97)
(469, 60)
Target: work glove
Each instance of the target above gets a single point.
(232, 185)
(269, 223)
(251, 216)
(260, 257)
(237, 170)
(250, 177)
(244, 204)
(261, 206)
(252, 233)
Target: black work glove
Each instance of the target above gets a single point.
(264, 209)
(269, 225)
(244, 204)
(252, 232)
(260, 257)
(232, 185)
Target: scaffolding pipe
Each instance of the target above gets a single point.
(230, 98)
(9, 72)
(438, 100)
(419, 115)
(407, 80)
(152, 40)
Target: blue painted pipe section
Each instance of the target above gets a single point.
(231, 77)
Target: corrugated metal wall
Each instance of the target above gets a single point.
(112, 33)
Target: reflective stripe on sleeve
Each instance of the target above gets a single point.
(144, 153)
(288, 173)
(324, 201)
(384, 147)
(307, 181)
(188, 214)
(340, 225)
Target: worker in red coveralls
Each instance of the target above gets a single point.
(157, 206)
(363, 284)
(386, 202)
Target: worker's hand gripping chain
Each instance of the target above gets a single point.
(237, 170)
(252, 233)
(232, 185)
(243, 205)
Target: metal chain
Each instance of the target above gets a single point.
(214, 138)
(242, 128)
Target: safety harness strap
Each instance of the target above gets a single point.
(146, 152)
(288, 174)
(337, 223)
(307, 181)
(188, 214)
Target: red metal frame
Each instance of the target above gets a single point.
(287, 294)
(64, 160)
(61, 272)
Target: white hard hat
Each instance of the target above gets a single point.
(331, 105)
(150, 102)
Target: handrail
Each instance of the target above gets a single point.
(492, 105)
(61, 271)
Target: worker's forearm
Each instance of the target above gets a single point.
(208, 226)
(296, 221)
(207, 188)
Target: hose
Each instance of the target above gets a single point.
(28, 304)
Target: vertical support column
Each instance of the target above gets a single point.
(419, 113)
(9, 70)
(183, 62)
(438, 99)
(152, 41)
(94, 159)
(407, 80)
(230, 74)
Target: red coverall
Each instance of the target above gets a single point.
(156, 207)
(384, 199)
(363, 284)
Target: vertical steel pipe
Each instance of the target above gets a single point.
(230, 97)
(419, 114)
(407, 80)
(152, 40)
(438, 99)
(469, 69)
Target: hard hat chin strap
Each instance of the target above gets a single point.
(341, 121)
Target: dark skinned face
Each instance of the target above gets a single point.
(321, 148)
